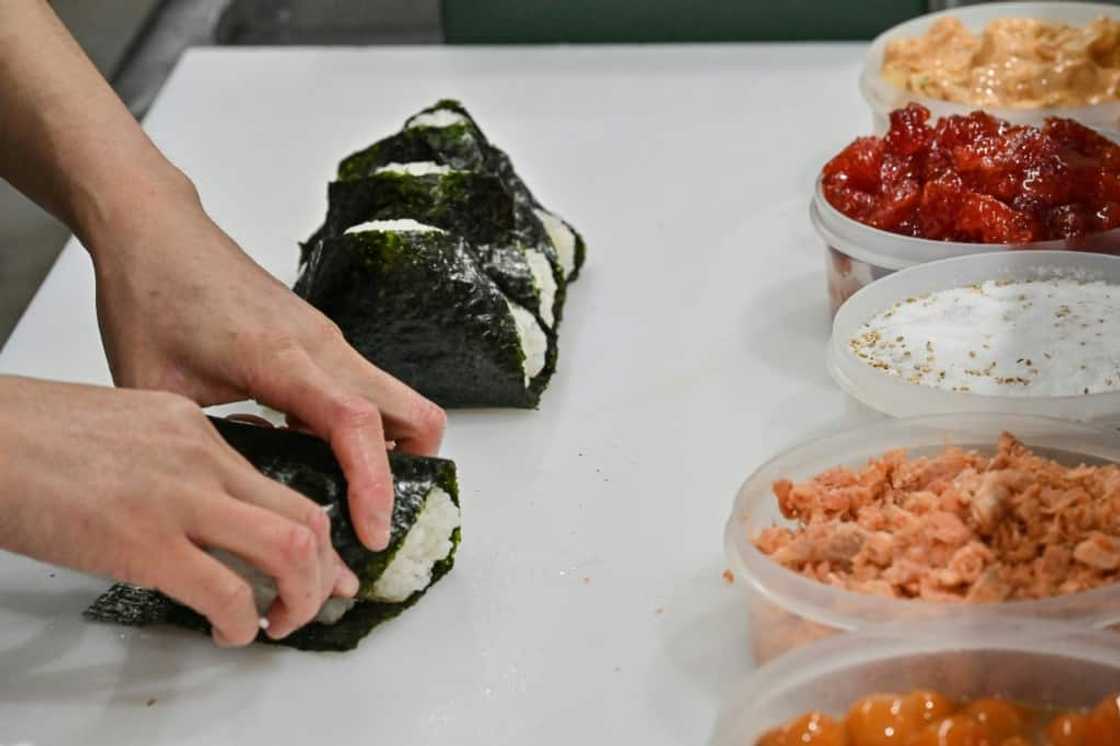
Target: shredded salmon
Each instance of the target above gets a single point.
(957, 527)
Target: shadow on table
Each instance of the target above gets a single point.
(142, 673)
(710, 646)
(796, 327)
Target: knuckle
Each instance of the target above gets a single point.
(235, 612)
(300, 545)
(282, 346)
(430, 418)
(319, 523)
(356, 413)
(269, 349)
(234, 597)
(326, 331)
(179, 408)
(197, 452)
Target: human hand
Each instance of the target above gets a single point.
(136, 485)
(183, 309)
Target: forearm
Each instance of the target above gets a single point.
(66, 140)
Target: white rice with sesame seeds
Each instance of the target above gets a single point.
(1058, 337)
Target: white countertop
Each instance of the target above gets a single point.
(587, 605)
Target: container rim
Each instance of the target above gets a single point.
(894, 251)
(819, 603)
(895, 639)
(893, 396)
(1041, 639)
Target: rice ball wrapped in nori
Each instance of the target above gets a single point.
(423, 540)
(470, 204)
(412, 299)
(566, 240)
(446, 134)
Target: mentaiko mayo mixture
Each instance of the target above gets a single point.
(1056, 337)
(1014, 63)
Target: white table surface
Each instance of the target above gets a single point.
(587, 605)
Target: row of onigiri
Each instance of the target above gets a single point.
(441, 267)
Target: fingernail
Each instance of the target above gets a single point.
(378, 536)
(219, 639)
(379, 531)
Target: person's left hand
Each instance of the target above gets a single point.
(182, 308)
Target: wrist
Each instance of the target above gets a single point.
(114, 216)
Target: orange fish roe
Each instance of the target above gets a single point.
(924, 718)
(958, 527)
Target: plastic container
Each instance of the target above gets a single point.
(857, 255)
(786, 610)
(898, 398)
(1047, 665)
(883, 97)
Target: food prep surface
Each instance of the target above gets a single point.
(587, 603)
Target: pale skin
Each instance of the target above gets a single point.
(133, 482)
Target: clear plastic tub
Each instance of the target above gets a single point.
(857, 255)
(899, 398)
(786, 610)
(1048, 665)
(883, 97)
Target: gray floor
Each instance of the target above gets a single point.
(29, 238)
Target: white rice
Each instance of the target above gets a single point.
(534, 342)
(415, 168)
(437, 118)
(428, 542)
(562, 238)
(545, 282)
(403, 225)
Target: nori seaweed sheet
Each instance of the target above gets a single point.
(470, 204)
(501, 165)
(461, 146)
(307, 465)
(417, 305)
(131, 606)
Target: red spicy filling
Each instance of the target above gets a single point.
(978, 179)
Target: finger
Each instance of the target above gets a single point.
(214, 591)
(294, 423)
(352, 426)
(412, 421)
(283, 549)
(295, 551)
(247, 484)
(347, 583)
(250, 486)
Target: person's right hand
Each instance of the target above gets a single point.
(136, 485)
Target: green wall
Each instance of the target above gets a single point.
(623, 21)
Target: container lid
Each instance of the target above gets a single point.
(899, 398)
(884, 97)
